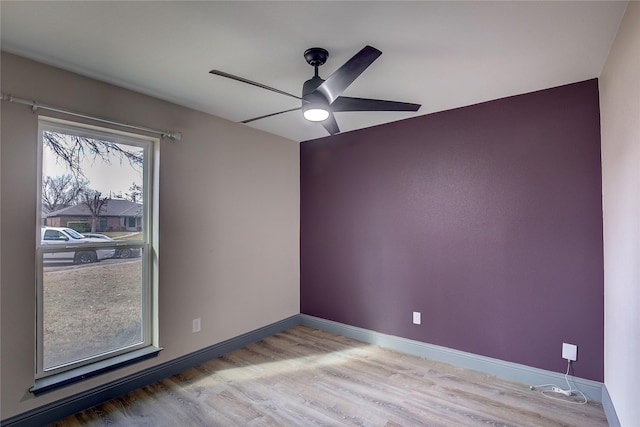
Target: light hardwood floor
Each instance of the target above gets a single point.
(307, 377)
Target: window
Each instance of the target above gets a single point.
(97, 275)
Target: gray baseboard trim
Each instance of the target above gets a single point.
(55, 411)
(609, 409)
(500, 368)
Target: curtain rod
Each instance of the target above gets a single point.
(176, 136)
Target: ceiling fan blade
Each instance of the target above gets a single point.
(344, 103)
(243, 80)
(337, 82)
(331, 125)
(269, 115)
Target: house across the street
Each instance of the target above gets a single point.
(116, 215)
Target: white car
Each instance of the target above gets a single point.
(120, 253)
(68, 236)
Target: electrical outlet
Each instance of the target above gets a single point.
(569, 352)
(196, 325)
(417, 318)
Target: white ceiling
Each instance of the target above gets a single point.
(439, 54)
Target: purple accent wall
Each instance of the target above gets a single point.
(487, 219)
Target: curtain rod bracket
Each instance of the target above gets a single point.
(175, 136)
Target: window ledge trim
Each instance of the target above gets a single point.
(63, 379)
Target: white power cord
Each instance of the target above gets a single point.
(558, 390)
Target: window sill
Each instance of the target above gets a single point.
(63, 379)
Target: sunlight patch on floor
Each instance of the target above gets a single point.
(289, 366)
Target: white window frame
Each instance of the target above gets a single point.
(48, 379)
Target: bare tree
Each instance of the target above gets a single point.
(71, 149)
(94, 201)
(61, 191)
(135, 193)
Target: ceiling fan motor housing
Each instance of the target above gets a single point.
(311, 85)
(315, 106)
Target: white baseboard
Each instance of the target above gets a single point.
(500, 368)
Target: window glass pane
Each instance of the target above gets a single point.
(94, 287)
(89, 309)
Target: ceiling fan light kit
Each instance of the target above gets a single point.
(315, 113)
(321, 98)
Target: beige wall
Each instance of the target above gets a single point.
(229, 222)
(620, 120)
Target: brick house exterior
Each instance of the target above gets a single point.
(116, 215)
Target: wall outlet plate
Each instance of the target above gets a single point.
(196, 325)
(569, 352)
(417, 318)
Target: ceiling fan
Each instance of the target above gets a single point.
(321, 98)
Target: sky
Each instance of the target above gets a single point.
(111, 178)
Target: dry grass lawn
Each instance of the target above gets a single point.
(91, 309)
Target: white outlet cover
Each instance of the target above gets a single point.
(196, 325)
(416, 318)
(570, 352)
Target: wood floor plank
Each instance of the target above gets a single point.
(308, 377)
